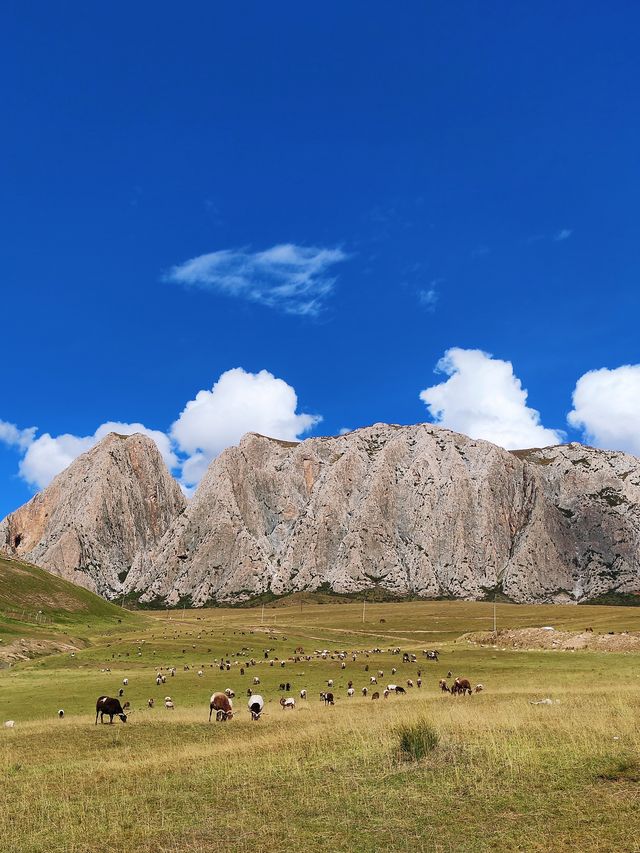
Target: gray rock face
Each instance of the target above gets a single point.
(415, 509)
(111, 505)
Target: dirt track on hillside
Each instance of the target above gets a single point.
(541, 638)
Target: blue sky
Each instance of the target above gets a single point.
(343, 196)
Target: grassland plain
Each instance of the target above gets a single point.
(497, 772)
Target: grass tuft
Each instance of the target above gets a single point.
(417, 739)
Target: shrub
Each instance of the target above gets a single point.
(417, 739)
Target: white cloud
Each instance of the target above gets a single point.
(563, 234)
(292, 278)
(47, 455)
(428, 298)
(14, 437)
(239, 402)
(345, 430)
(483, 398)
(606, 407)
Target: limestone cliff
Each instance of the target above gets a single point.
(415, 509)
(111, 505)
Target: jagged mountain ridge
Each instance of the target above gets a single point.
(413, 509)
(417, 510)
(111, 505)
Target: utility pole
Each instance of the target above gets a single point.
(495, 630)
(262, 619)
(364, 604)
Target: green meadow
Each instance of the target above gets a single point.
(425, 771)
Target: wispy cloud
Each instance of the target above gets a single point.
(563, 234)
(429, 296)
(13, 436)
(293, 279)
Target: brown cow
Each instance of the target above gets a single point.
(222, 705)
(461, 685)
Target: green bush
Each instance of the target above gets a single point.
(417, 739)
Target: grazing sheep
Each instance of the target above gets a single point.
(444, 686)
(289, 702)
(256, 680)
(121, 692)
(303, 694)
(380, 673)
(223, 707)
(150, 703)
(229, 693)
(409, 683)
(281, 686)
(158, 680)
(256, 704)
(200, 673)
(393, 671)
(350, 684)
(125, 681)
(478, 688)
(10, 724)
(373, 680)
(168, 704)
(385, 693)
(350, 692)
(111, 707)
(330, 682)
(343, 665)
(364, 691)
(375, 695)
(249, 691)
(61, 713)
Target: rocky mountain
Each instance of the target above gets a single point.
(112, 505)
(415, 509)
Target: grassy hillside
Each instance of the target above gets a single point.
(482, 773)
(44, 611)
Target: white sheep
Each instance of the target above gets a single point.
(125, 681)
(229, 693)
(373, 680)
(10, 724)
(303, 694)
(168, 704)
(256, 680)
(364, 691)
(330, 682)
(61, 713)
(350, 692)
(289, 702)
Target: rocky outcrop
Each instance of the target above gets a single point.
(415, 510)
(110, 506)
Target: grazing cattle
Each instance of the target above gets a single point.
(364, 691)
(256, 704)
(289, 702)
(150, 703)
(478, 688)
(222, 705)
(375, 695)
(391, 687)
(461, 685)
(229, 693)
(444, 686)
(303, 694)
(350, 692)
(111, 707)
(400, 690)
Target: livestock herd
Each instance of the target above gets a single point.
(221, 702)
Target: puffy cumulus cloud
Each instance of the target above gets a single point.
(14, 437)
(239, 402)
(47, 455)
(483, 398)
(606, 407)
(293, 278)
